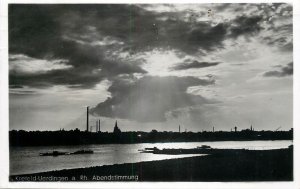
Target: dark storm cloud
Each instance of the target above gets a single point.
(84, 74)
(285, 71)
(245, 25)
(142, 30)
(194, 64)
(74, 77)
(68, 32)
(149, 98)
(38, 31)
(204, 36)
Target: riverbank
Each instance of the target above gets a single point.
(77, 137)
(248, 165)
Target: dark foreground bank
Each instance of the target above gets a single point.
(252, 165)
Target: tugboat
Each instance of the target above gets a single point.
(149, 150)
(204, 147)
(54, 153)
(83, 152)
(155, 148)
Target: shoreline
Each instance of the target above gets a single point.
(234, 165)
(204, 141)
(77, 137)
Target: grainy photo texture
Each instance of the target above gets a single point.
(151, 92)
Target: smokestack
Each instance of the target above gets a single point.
(99, 125)
(213, 129)
(179, 128)
(96, 125)
(87, 119)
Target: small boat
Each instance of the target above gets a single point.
(149, 150)
(203, 147)
(54, 153)
(155, 148)
(83, 152)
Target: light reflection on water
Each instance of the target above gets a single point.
(27, 160)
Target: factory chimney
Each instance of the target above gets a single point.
(96, 126)
(87, 119)
(99, 125)
(179, 128)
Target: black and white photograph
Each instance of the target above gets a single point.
(189, 92)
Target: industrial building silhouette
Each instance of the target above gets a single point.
(77, 137)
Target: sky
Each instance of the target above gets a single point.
(151, 66)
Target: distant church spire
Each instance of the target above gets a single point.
(116, 128)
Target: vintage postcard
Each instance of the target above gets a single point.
(167, 92)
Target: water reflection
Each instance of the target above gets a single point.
(27, 160)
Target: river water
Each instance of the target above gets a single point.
(27, 160)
